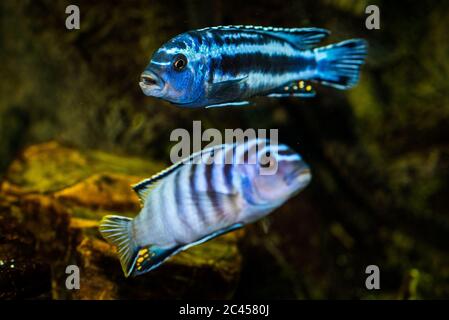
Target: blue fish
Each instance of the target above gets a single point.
(227, 65)
(214, 191)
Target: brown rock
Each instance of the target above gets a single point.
(58, 195)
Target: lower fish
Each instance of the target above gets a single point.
(214, 191)
(227, 65)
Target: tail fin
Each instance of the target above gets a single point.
(338, 65)
(117, 230)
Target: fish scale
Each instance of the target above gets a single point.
(258, 57)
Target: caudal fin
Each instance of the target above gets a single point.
(117, 230)
(338, 65)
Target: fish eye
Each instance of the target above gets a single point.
(180, 62)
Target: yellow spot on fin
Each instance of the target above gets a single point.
(141, 257)
(299, 88)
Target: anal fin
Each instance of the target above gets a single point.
(151, 257)
(301, 88)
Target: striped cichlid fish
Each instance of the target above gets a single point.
(214, 191)
(227, 65)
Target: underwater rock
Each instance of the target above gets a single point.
(216, 265)
(58, 194)
(22, 274)
(106, 191)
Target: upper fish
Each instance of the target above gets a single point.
(212, 192)
(227, 65)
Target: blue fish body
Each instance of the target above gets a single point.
(213, 192)
(227, 65)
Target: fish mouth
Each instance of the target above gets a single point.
(150, 83)
(300, 176)
(304, 177)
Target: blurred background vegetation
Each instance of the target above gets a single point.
(379, 152)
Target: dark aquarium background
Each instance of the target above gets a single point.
(76, 131)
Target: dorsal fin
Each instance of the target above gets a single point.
(303, 38)
(144, 187)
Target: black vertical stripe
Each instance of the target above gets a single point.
(192, 191)
(196, 37)
(217, 39)
(228, 171)
(213, 64)
(228, 175)
(212, 194)
(228, 40)
(249, 151)
(228, 168)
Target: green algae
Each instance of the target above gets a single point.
(51, 167)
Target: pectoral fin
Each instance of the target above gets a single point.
(230, 90)
(117, 231)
